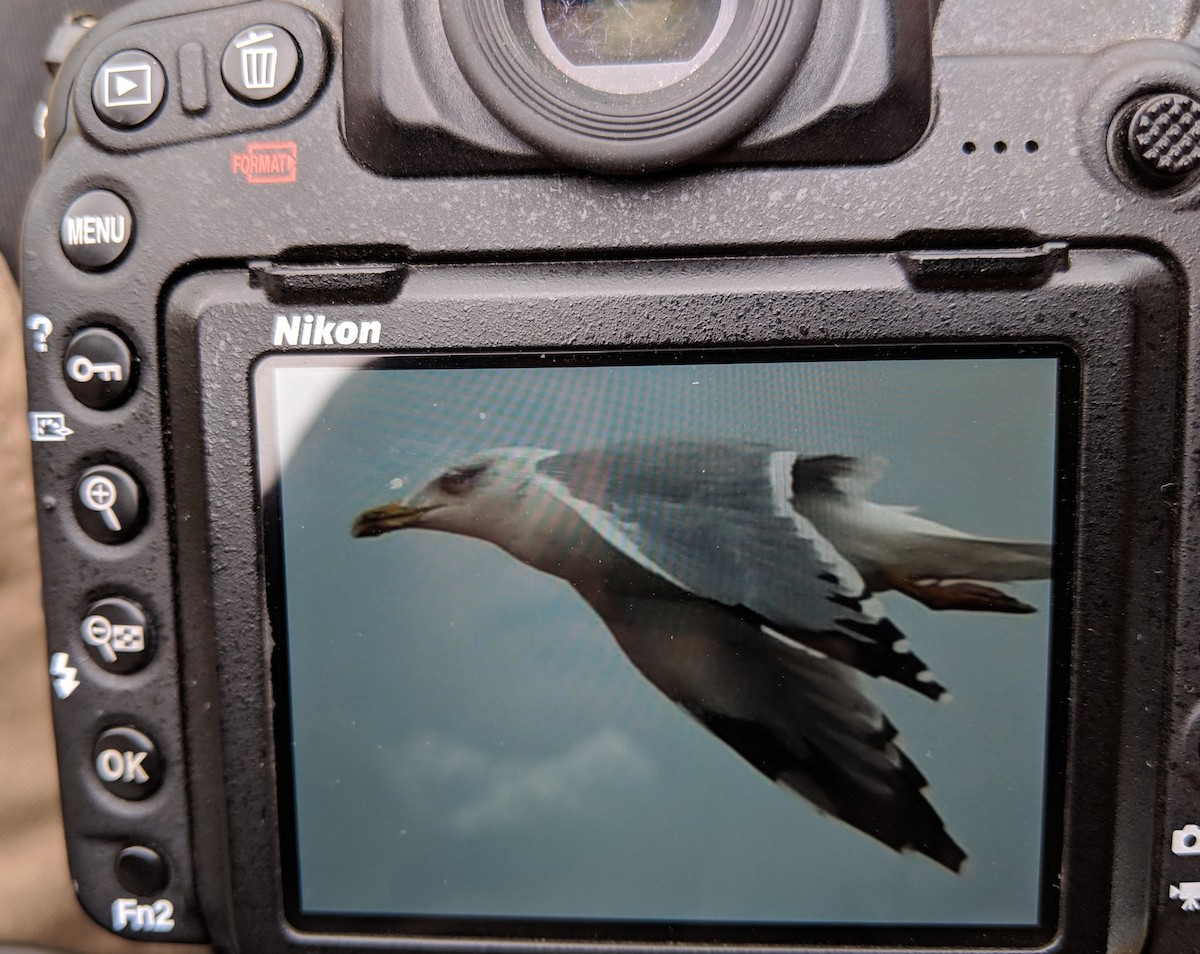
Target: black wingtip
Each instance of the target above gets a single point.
(873, 647)
(882, 651)
(945, 851)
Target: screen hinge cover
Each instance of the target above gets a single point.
(351, 284)
(984, 267)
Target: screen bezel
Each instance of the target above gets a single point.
(617, 929)
(1118, 310)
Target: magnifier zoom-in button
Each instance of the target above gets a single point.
(109, 504)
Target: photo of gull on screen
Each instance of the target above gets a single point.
(741, 641)
(739, 580)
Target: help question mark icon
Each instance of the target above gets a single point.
(42, 327)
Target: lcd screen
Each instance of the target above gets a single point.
(607, 644)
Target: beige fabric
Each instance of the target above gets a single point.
(37, 905)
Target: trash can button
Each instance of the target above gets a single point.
(260, 63)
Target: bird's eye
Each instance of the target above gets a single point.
(458, 482)
(454, 484)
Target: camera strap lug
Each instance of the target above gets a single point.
(70, 30)
(359, 283)
(987, 267)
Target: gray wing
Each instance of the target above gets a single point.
(812, 729)
(717, 521)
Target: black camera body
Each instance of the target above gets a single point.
(613, 321)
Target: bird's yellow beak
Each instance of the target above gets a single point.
(390, 516)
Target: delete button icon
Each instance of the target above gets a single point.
(1186, 840)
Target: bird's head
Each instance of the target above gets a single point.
(466, 497)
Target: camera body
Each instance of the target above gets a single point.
(275, 243)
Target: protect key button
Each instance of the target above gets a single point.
(99, 368)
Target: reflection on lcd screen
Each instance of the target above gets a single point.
(753, 642)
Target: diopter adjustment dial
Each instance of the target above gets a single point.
(1163, 138)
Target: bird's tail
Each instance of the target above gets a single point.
(928, 554)
(829, 491)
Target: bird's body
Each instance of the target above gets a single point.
(738, 580)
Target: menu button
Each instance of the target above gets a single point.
(96, 229)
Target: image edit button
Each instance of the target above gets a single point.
(96, 229)
(128, 89)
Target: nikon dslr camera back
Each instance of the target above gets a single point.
(614, 475)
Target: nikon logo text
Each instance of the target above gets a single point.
(318, 331)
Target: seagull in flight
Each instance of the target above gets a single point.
(741, 581)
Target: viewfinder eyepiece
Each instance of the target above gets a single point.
(629, 46)
(628, 85)
(613, 32)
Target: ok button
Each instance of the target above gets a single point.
(128, 763)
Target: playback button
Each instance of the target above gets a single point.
(128, 88)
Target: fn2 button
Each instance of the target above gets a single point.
(142, 870)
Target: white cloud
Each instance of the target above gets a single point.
(488, 792)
